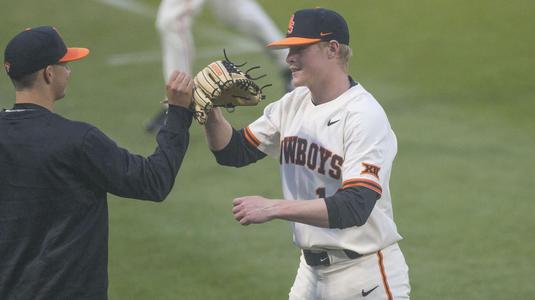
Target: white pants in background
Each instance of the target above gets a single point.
(175, 18)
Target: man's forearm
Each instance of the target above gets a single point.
(311, 212)
(257, 209)
(218, 130)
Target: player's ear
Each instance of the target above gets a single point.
(48, 74)
(333, 48)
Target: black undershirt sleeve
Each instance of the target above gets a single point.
(350, 207)
(238, 152)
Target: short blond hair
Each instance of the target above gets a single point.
(344, 55)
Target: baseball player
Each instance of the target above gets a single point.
(335, 148)
(174, 23)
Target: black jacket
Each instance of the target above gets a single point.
(54, 177)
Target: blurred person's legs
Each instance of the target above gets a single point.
(173, 21)
(249, 17)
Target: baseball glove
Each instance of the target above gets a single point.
(223, 84)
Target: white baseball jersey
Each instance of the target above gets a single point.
(346, 142)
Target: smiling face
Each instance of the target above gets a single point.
(313, 64)
(306, 63)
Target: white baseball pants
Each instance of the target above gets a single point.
(383, 275)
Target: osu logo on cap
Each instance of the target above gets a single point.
(291, 24)
(7, 66)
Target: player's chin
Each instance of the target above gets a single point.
(297, 81)
(60, 96)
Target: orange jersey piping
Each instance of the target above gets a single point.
(249, 136)
(372, 185)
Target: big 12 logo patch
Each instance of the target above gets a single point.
(371, 169)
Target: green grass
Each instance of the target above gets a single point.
(455, 78)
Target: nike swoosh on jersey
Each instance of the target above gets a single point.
(332, 122)
(325, 33)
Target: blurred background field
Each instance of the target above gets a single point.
(456, 79)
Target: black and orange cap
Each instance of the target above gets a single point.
(36, 48)
(309, 26)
